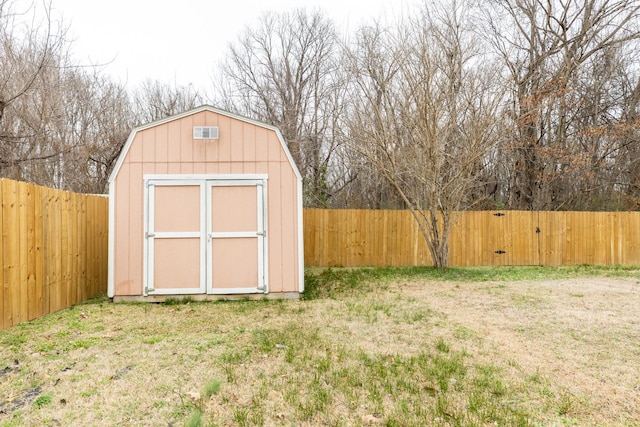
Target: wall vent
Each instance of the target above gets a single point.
(205, 132)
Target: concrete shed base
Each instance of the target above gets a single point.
(206, 297)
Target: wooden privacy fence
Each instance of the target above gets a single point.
(53, 250)
(387, 237)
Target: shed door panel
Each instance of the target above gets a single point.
(234, 208)
(236, 237)
(175, 247)
(176, 264)
(235, 263)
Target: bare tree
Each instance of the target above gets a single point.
(285, 73)
(425, 113)
(551, 49)
(154, 100)
(30, 56)
(61, 124)
(98, 118)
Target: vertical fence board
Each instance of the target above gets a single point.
(91, 226)
(309, 236)
(55, 291)
(534, 247)
(97, 248)
(3, 232)
(493, 238)
(572, 237)
(518, 243)
(479, 254)
(376, 237)
(38, 251)
(329, 240)
(635, 240)
(21, 308)
(544, 238)
(393, 237)
(618, 239)
(74, 254)
(629, 239)
(402, 241)
(56, 258)
(508, 238)
(345, 237)
(388, 236)
(583, 253)
(455, 243)
(482, 255)
(34, 303)
(104, 239)
(87, 249)
(56, 252)
(23, 256)
(593, 228)
(47, 266)
(65, 255)
(11, 260)
(82, 245)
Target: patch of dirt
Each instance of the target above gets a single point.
(18, 403)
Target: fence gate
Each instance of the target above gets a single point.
(515, 237)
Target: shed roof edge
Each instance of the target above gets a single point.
(134, 131)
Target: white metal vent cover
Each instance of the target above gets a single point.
(205, 132)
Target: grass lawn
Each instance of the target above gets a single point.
(525, 346)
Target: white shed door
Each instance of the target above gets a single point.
(175, 237)
(205, 235)
(235, 237)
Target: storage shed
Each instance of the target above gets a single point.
(205, 204)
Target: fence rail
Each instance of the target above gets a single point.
(53, 248)
(386, 237)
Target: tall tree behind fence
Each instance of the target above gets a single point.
(391, 237)
(53, 250)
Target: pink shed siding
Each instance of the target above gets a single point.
(169, 148)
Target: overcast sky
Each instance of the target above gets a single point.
(181, 41)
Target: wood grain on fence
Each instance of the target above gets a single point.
(390, 237)
(53, 253)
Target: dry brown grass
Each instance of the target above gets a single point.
(575, 341)
(411, 352)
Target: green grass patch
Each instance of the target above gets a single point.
(178, 301)
(195, 418)
(42, 400)
(335, 282)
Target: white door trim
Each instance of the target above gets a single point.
(205, 183)
(260, 234)
(150, 235)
